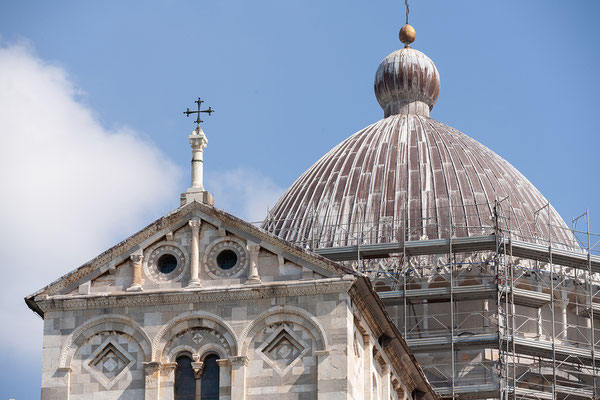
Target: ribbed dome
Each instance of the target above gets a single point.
(414, 169)
(408, 176)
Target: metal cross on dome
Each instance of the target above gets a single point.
(209, 111)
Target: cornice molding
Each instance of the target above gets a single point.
(365, 311)
(199, 295)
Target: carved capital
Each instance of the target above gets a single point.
(136, 258)
(151, 367)
(168, 368)
(238, 361)
(198, 368)
(152, 374)
(195, 224)
(366, 338)
(198, 142)
(253, 248)
(562, 301)
(223, 362)
(167, 371)
(382, 363)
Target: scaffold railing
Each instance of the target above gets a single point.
(341, 230)
(510, 315)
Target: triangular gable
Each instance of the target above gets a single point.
(101, 265)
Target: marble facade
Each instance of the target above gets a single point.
(284, 322)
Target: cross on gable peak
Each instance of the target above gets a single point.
(199, 111)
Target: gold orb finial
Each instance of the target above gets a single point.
(407, 35)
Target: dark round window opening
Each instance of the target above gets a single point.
(227, 259)
(167, 263)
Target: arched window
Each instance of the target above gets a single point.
(188, 384)
(210, 378)
(185, 381)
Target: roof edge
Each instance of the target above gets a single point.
(165, 221)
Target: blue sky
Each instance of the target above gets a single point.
(107, 83)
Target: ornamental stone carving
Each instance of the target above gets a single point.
(159, 250)
(212, 258)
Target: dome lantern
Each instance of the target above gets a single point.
(407, 81)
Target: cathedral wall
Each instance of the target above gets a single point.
(291, 347)
(199, 305)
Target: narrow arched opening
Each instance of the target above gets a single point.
(210, 378)
(197, 380)
(185, 379)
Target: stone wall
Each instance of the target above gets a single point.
(293, 346)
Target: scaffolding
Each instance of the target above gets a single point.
(489, 311)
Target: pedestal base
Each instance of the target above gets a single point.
(200, 196)
(194, 284)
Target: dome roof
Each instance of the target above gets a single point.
(409, 176)
(414, 169)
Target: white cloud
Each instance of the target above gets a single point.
(70, 187)
(244, 193)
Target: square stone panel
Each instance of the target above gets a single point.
(108, 363)
(282, 349)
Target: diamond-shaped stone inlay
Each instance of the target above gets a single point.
(111, 364)
(282, 349)
(197, 338)
(108, 363)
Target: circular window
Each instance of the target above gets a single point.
(227, 259)
(167, 263)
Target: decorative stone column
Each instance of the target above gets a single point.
(167, 381)
(198, 142)
(194, 275)
(398, 388)
(238, 377)
(368, 361)
(563, 309)
(63, 391)
(196, 191)
(385, 369)
(224, 379)
(152, 378)
(426, 315)
(539, 323)
(324, 372)
(486, 314)
(136, 281)
(254, 250)
(198, 367)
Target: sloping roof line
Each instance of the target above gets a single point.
(169, 220)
